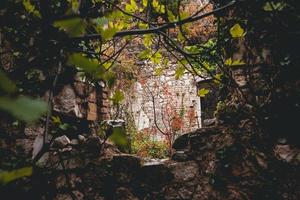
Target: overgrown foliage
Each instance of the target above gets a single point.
(252, 54)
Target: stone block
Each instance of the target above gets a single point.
(92, 112)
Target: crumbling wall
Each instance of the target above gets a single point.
(209, 102)
(171, 96)
(207, 164)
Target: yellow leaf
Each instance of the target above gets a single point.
(107, 65)
(133, 4)
(171, 16)
(231, 63)
(56, 119)
(120, 25)
(118, 97)
(147, 40)
(145, 2)
(132, 7)
(218, 78)
(74, 5)
(202, 92)
(237, 31)
(8, 176)
(179, 71)
(271, 6)
(143, 25)
(29, 7)
(228, 62)
(110, 24)
(184, 14)
(158, 7)
(238, 62)
(108, 33)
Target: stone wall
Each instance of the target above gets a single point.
(92, 172)
(78, 107)
(171, 98)
(82, 100)
(209, 102)
(89, 171)
(207, 164)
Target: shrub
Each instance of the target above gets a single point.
(146, 144)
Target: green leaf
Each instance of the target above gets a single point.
(91, 67)
(120, 138)
(73, 27)
(233, 63)
(118, 97)
(155, 4)
(145, 3)
(30, 8)
(23, 108)
(207, 65)
(156, 58)
(64, 126)
(237, 31)
(179, 72)
(147, 40)
(238, 63)
(133, 4)
(100, 21)
(132, 7)
(171, 16)
(158, 7)
(56, 119)
(218, 78)
(183, 62)
(120, 25)
(192, 49)
(202, 92)
(108, 33)
(115, 15)
(158, 71)
(6, 84)
(228, 62)
(270, 6)
(180, 37)
(143, 25)
(107, 65)
(144, 54)
(9, 176)
(74, 4)
(110, 78)
(184, 15)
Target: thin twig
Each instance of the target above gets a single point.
(46, 144)
(45, 137)
(68, 181)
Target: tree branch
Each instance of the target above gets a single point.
(156, 30)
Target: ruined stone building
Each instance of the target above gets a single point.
(161, 100)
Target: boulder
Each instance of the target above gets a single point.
(154, 175)
(181, 156)
(61, 141)
(124, 167)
